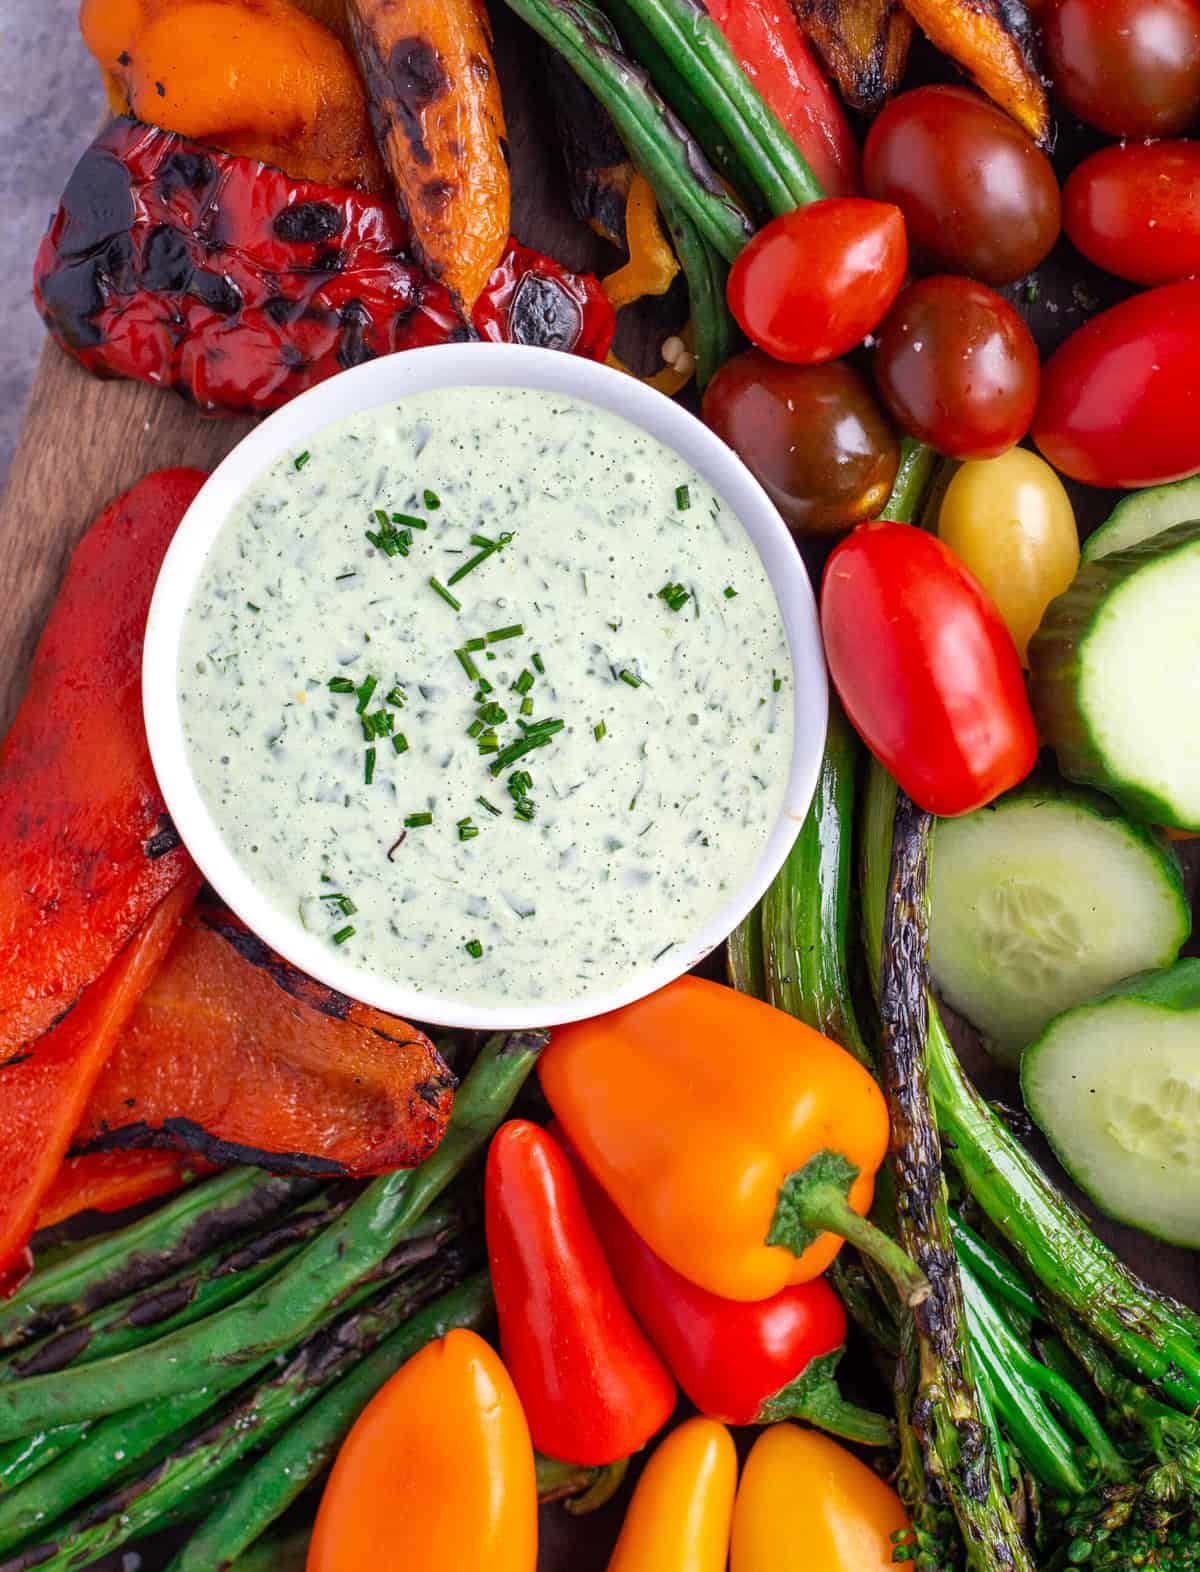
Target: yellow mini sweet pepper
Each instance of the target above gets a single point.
(680, 1516)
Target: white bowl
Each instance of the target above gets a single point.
(384, 381)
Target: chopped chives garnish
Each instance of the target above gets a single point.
(489, 549)
(675, 595)
(409, 519)
(338, 577)
(400, 743)
(440, 589)
(301, 459)
(599, 731)
(631, 677)
(776, 683)
(380, 724)
(484, 689)
(476, 644)
(524, 810)
(490, 806)
(730, 592)
(343, 934)
(474, 728)
(467, 664)
(491, 655)
(538, 666)
(524, 682)
(491, 714)
(519, 783)
(396, 696)
(683, 498)
(432, 500)
(414, 821)
(340, 685)
(369, 767)
(523, 745)
(527, 705)
(513, 631)
(488, 742)
(473, 948)
(382, 519)
(663, 951)
(468, 831)
(364, 692)
(343, 903)
(252, 606)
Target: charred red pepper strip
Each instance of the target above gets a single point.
(240, 286)
(112, 1181)
(86, 849)
(744, 1363)
(234, 1053)
(42, 1095)
(592, 1387)
(770, 44)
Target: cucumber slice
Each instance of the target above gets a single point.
(1142, 514)
(1041, 900)
(1114, 675)
(1115, 1088)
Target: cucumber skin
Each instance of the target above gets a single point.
(1177, 989)
(1054, 668)
(1094, 547)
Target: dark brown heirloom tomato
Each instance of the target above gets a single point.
(1134, 209)
(957, 367)
(1128, 67)
(812, 435)
(978, 196)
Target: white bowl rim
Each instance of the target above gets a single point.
(382, 381)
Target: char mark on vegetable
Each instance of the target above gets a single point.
(185, 1135)
(165, 839)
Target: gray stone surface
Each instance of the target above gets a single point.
(51, 102)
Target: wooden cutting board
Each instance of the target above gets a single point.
(84, 441)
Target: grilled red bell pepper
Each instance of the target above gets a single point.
(234, 1053)
(112, 1181)
(42, 1094)
(240, 286)
(774, 53)
(86, 849)
(744, 1363)
(592, 1387)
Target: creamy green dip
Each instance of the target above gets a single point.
(571, 666)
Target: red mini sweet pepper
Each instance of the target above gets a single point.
(592, 1387)
(744, 1363)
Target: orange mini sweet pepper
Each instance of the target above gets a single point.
(438, 1472)
(805, 1504)
(680, 1516)
(739, 1143)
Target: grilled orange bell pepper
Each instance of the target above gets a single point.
(437, 1473)
(260, 78)
(805, 1504)
(111, 1181)
(681, 1512)
(739, 1143)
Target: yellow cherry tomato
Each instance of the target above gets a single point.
(1010, 520)
(680, 1515)
(805, 1504)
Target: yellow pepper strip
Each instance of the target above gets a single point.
(681, 1512)
(652, 267)
(805, 1504)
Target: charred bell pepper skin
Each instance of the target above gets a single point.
(234, 1054)
(680, 1516)
(42, 1095)
(440, 1459)
(241, 287)
(805, 1504)
(741, 1363)
(731, 1136)
(75, 773)
(593, 1388)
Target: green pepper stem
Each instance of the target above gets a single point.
(815, 1397)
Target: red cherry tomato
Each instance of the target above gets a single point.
(812, 436)
(957, 367)
(814, 282)
(1120, 402)
(1128, 67)
(927, 671)
(1134, 210)
(978, 196)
